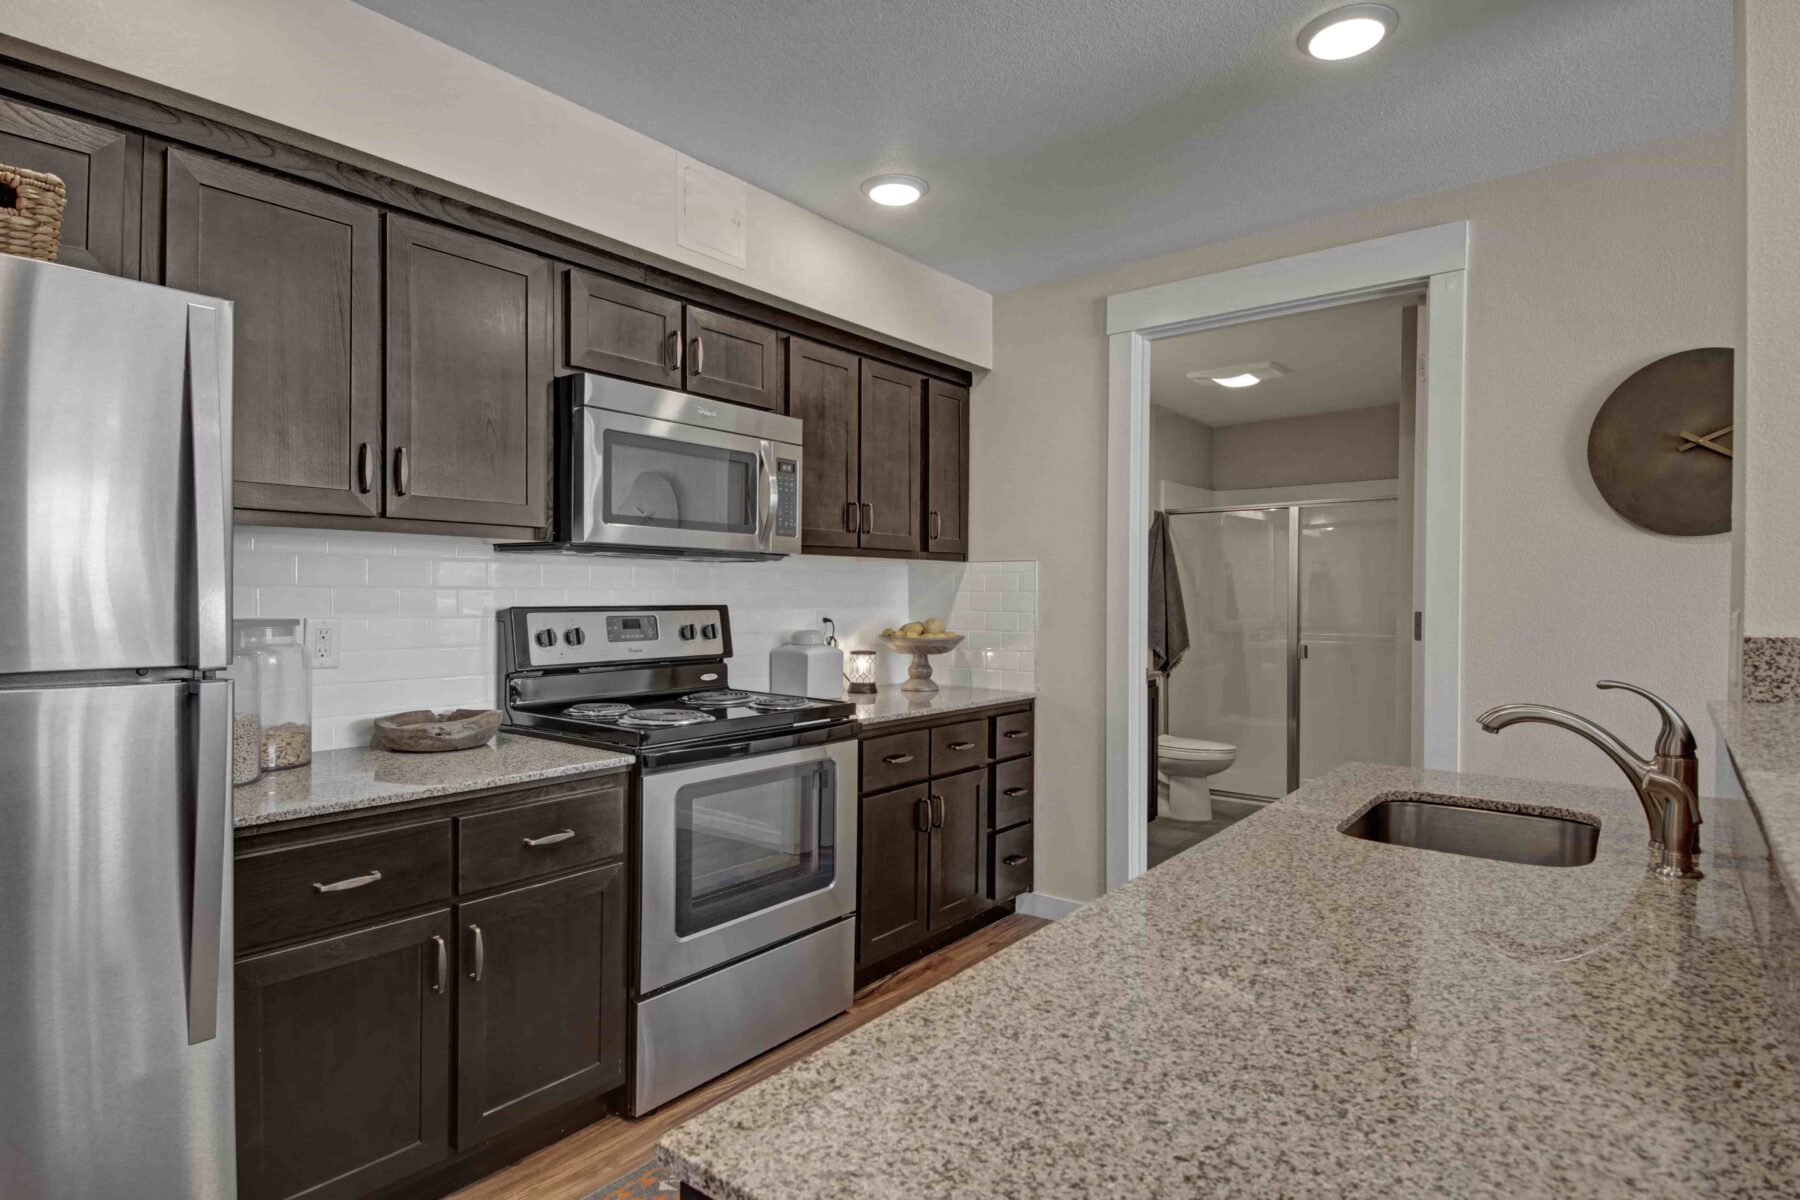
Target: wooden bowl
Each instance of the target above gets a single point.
(424, 732)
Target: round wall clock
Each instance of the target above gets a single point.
(1660, 448)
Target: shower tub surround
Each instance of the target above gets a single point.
(417, 624)
(1290, 1011)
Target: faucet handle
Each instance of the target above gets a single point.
(1676, 740)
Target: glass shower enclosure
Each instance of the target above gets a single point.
(1299, 624)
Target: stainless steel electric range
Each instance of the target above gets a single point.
(745, 823)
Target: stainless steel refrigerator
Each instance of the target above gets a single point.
(115, 791)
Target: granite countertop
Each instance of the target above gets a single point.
(344, 780)
(1288, 1011)
(1764, 741)
(892, 704)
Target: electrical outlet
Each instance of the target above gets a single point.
(322, 642)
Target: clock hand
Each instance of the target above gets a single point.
(1691, 440)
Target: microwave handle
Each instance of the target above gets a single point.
(769, 502)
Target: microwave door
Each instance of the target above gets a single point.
(662, 485)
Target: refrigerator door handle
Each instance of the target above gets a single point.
(212, 814)
(212, 512)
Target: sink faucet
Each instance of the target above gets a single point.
(1667, 785)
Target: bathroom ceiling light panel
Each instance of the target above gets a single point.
(1348, 31)
(1240, 376)
(895, 191)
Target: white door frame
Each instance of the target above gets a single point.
(1434, 260)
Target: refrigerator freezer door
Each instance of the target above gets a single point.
(115, 888)
(115, 419)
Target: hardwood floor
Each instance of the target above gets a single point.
(603, 1151)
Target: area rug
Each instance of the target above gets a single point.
(646, 1181)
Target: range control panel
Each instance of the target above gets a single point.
(569, 637)
(787, 497)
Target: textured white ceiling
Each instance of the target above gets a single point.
(1338, 359)
(1061, 136)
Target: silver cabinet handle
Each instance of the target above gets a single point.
(1016, 860)
(962, 745)
(209, 398)
(922, 815)
(441, 978)
(350, 884)
(697, 351)
(1016, 734)
(868, 521)
(550, 839)
(897, 759)
(937, 811)
(674, 352)
(480, 955)
(402, 474)
(849, 516)
(1016, 791)
(212, 820)
(937, 525)
(365, 468)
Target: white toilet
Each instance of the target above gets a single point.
(1183, 767)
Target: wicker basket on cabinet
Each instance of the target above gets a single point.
(31, 208)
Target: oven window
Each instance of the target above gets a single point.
(664, 483)
(748, 842)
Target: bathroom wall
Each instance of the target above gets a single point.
(1181, 451)
(1336, 447)
(417, 612)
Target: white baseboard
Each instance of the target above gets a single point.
(1043, 904)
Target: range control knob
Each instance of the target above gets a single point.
(545, 638)
(574, 636)
(709, 632)
(687, 633)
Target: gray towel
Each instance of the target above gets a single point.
(1168, 614)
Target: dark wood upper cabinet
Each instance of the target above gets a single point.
(958, 848)
(891, 449)
(618, 329)
(541, 999)
(823, 391)
(303, 268)
(893, 888)
(102, 173)
(729, 358)
(946, 468)
(343, 1061)
(468, 378)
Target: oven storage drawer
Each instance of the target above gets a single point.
(895, 761)
(530, 840)
(1013, 735)
(1009, 863)
(1012, 793)
(958, 747)
(300, 889)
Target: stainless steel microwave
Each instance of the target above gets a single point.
(655, 472)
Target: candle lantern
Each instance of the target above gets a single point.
(859, 675)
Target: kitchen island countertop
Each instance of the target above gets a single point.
(1289, 1011)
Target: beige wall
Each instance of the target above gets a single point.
(341, 73)
(1181, 451)
(1580, 274)
(1767, 439)
(1362, 443)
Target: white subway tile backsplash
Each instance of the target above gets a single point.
(460, 573)
(333, 570)
(392, 570)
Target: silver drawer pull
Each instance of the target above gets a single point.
(1016, 791)
(962, 745)
(1016, 860)
(550, 839)
(345, 885)
(894, 760)
(1016, 734)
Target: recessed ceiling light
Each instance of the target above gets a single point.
(895, 191)
(1240, 376)
(1349, 31)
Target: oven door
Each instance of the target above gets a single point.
(742, 854)
(655, 484)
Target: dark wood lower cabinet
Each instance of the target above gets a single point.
(343, 1061)
(958, 848)
(893, 881)
(540, 999)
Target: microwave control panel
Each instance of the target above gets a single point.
(787, 493)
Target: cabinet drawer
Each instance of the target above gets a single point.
(1009, 864)
(897, 760)
(958, 747)
(298, 889)
(1012, 793)
(1012, 735)
(539, 839)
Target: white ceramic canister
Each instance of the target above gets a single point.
(809, 665)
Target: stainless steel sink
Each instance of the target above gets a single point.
(1440, 823)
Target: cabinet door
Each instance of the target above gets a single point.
(343, 1061)
(892, 892)
(822, 391)
(303, 267)
(733, 359)
(540, 1000)
(102, 172)
(891, 451)
(947, 468)
(468, 378)
(618, 329)
(958, 848)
